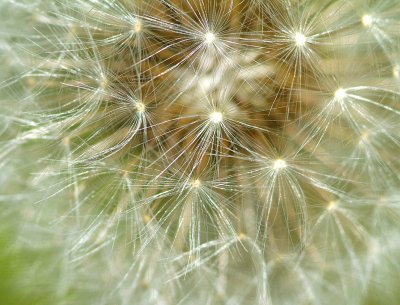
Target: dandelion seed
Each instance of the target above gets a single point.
(364, 136)
(31, 82)
(72, 31)
(209, 38)
(340, 94)
(216, 117)
(396, 71)
(66, 141)
(137, 27)
(146, 218)
(300, 39)
(374, 247)
(367, 20)
(331, 205)
(279, 164)
(196, 183)
(140, 107)
(241, 236)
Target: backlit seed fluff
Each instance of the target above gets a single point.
(300, 39)
(209, 37)
(163, 152)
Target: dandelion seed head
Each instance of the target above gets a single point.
(197, 135)
(216, 117)
(279, 164)
(300, 39)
